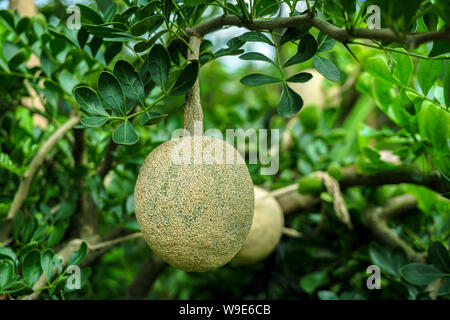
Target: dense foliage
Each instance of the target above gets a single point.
(378, 122)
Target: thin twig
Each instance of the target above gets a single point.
(377, 218)
(412, 40)
(193, 113)
(292, 233)
(113, 242)
(28, 176)
(145, 277)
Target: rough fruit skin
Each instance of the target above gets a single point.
(193, 216)
(266, 230)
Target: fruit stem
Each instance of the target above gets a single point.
(193, 113)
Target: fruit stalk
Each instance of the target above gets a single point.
(193, 113)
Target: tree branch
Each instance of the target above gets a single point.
(24, 187)
(412, 40)
(28, 176)
(64, 254)
(377, 218)
(113, 242)
(193, 113)
(72, 246)
(108, 159)
(147, 274)
(292, 233)
(351, 177)
(291, 201)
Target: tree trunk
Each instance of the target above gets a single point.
(26, 8)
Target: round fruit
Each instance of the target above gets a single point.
(266, 230)
(310, 185)
(334, 169)
(195, 212)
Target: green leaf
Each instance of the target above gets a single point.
(9, 50)
(428, 72)
(8, 17)
(47, 263)
(127, 13)
(130, 81)
(61, 36)
(403, 67)
(382, 257)
(293, 34)
(20, 288)
(94, 121)
(150, 118)
(82, 37)
(378, 68)
(112, 50)
(23, 25)
(89, 15)
(28, 228)
(444, 289)
(67, 81)
(389, 261)
(95, 45)
(326, 68)
(8, 252)
(325, 42)
(446, 87)
(312, 281)
(434, 124)
(186, 79)
(300, 77)
(438, 255)
(47, 65)
(159, 65)
(439, 48)
(291, 102)
(19, 58)
(8, 164)
(148, 24)
(108, 32)
(111, 93)
(144, 45)
(233, 48)
(398, 259)
(352, 295)
(420, 274)
(79, 255)
(31, 268)
(327, 295)
(266, 7)
(193, 3)
(125, 134)
(89, 101)
(257, 79)
(256, 56)
(254, 36)
(7, 274)
(110, 12)
(306, 50)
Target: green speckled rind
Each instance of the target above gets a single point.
(266, 230)
(195, 217)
